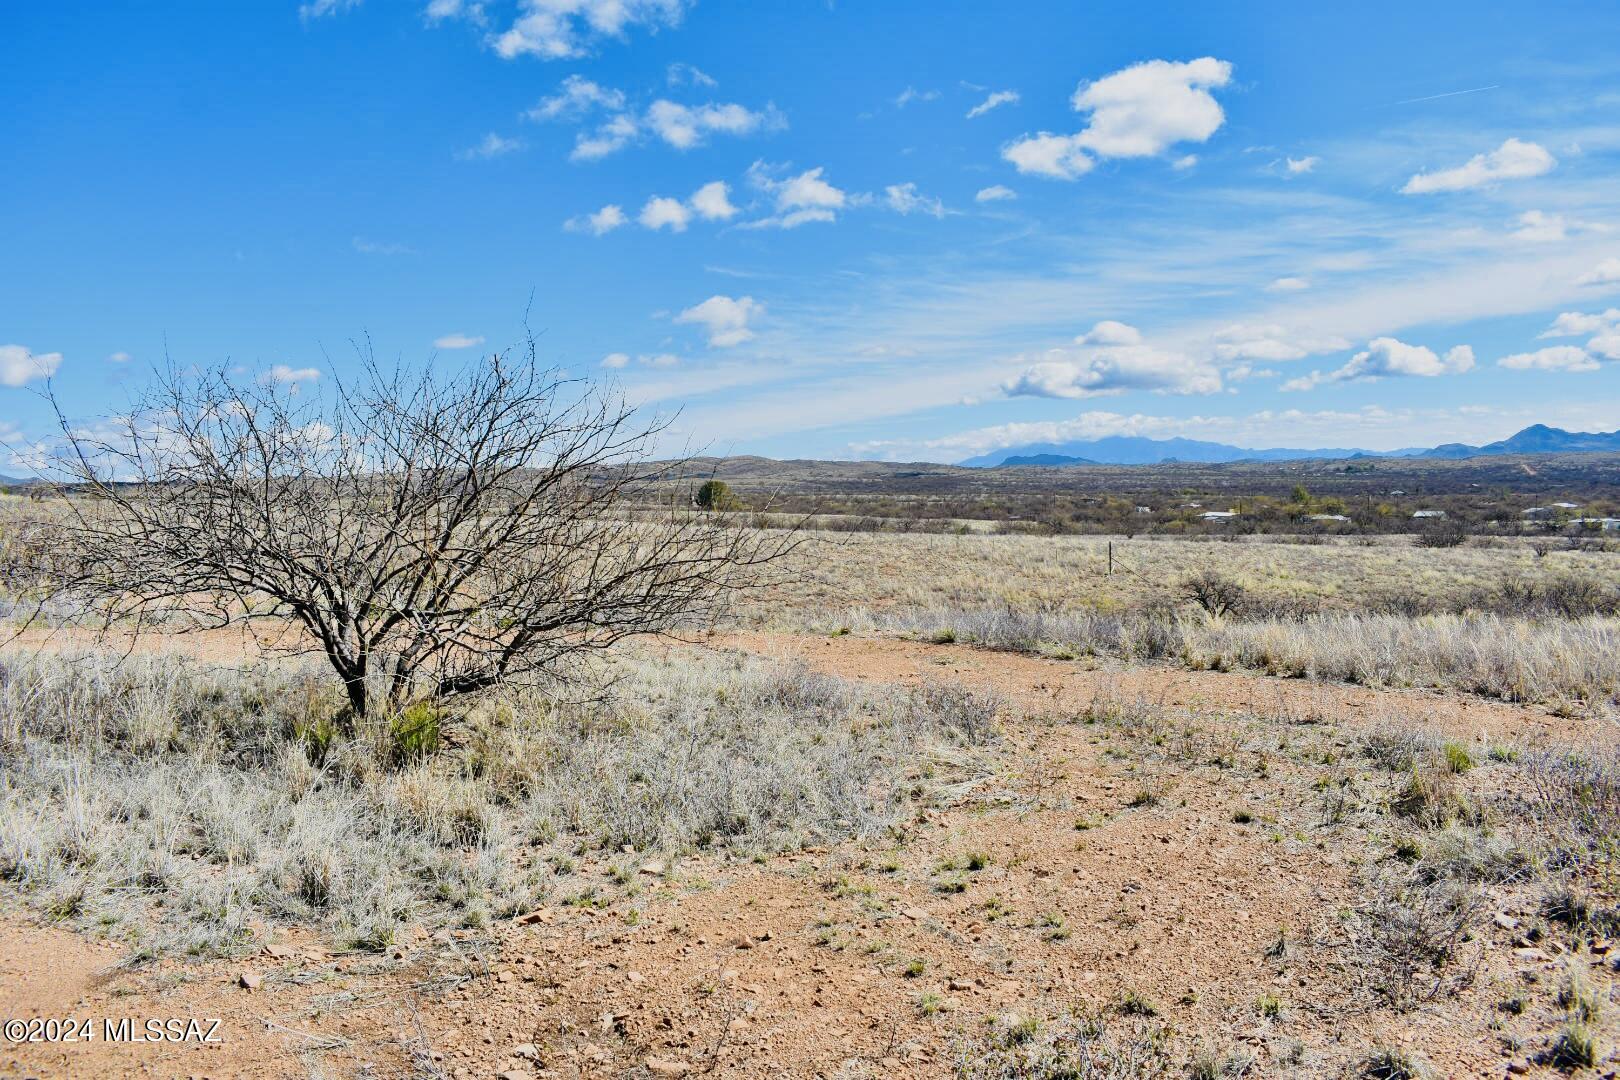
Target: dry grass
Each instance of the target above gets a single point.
(179, 805)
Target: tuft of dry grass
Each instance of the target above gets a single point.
(177, 804)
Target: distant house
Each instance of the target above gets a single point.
(1607, 524)
(1566, 506)
(1144, 509)
(1428, 513)
(1538, 512)
(1218, 515)
(1397, 491)
(1329, 517)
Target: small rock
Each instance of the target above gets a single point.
(654, 868)
(1505, 921)
(516, 1074)
(743, 942)
(504, 976)
(636, 977)
(250, 981)
(914, 913)
(960, 985)
(527, 1051)
(277, 951)
(666, 1067)
(538, 915)
(1530, 954)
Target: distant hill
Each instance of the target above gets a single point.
(1535, 439)
(1139, 450)
(1047, 459)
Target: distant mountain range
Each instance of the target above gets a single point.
(1139, 450)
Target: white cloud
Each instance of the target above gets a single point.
(1387, 357)
(713, 203)
(994, 101)
(457, 341)
(686, 126)
(1513, 160)
(1288, 284)
(1140, 111)
(1113, 370)
(1109, 332)
(320, 9)
(661, 212)
(1539, 227)
(1606, 272)
(438, 11)
(1553, 358)
(490, 146)
(561, 29)
(725, 318)
(1296, 166)
(995, 193)
(615, 360)
(1186, 161)
(1270, 343)
(576, 97)
(910, 94)
(1055, 156)
(1112, 360)
(904, 199)
(1574, 323)
(290, 376)
(605, 220)
(609, 138)
(799, 199)
(679, 74)
(119, 357)
(18, 366)
(1606, 345)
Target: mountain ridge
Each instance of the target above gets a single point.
(1142, 450)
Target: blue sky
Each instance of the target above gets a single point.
(846, 229)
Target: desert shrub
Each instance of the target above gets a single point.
(1412, 937)
(715, 495)
(1216, 594)
(228, 817)
(1067, 1047)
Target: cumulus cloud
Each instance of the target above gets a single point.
(725, 319)
(457, 341)
(1539, 227)
(490, 146)
(995, 101)
(1387, 357)
(1296, 166)
(1270, 344)
(576, 97)
(661, 212)
(562, 29)
(609, 137)
(905, 199)
(119, 357)
(615, 360)
(995, 193)
(799, 199)
(1513, 160)
(712, 201)
(1606, 272)
(1109, 332)
(1140, 111)
(686, 126)
(1112, 359)
(19, 366)
(1288, 284)
(439, 11)
(1553, 358)
(1575, 323)
(681, 126)
(605, 220)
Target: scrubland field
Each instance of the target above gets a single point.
(937, 805)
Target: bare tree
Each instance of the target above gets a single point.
(434, 535)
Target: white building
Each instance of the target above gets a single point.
(1428, 513)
